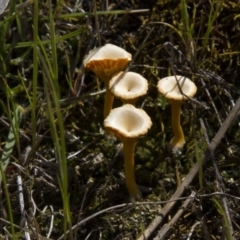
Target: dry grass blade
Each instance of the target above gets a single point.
(220, 186)
(188, 179)
(43, 46)
(168, 227)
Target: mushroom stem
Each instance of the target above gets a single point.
(130, 101)
(128, 150)
(108, 102)
(178, 140)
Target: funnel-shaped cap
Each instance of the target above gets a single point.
(169, 87)
(106, 61)
(128, 122)
(128, 86)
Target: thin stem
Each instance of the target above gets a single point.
(130, 101)
(108, 102)
(128, 150)
(178, 140)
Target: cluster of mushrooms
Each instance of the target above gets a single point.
(127, 123)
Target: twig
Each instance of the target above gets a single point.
(22, 208)
(51, 222)
(94, 215)
(171, 54)
(192, 229)
(167, 228)
(89, 185)
(194, 170)
(8, 125)
(139, 50)
(9, 223)
(7, 233)
(71, 100)
(211, 100)
(219, 183)
(75, 227)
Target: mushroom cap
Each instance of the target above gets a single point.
(107, 60)
(169, 88)
(128, 85)
(128, 122)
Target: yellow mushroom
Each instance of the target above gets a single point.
(105, 62)
(128, 123)
(177, 89)
(128, 86)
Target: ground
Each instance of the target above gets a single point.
(60, 168)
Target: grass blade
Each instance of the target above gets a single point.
(11, 140)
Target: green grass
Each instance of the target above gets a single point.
(49, 66)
